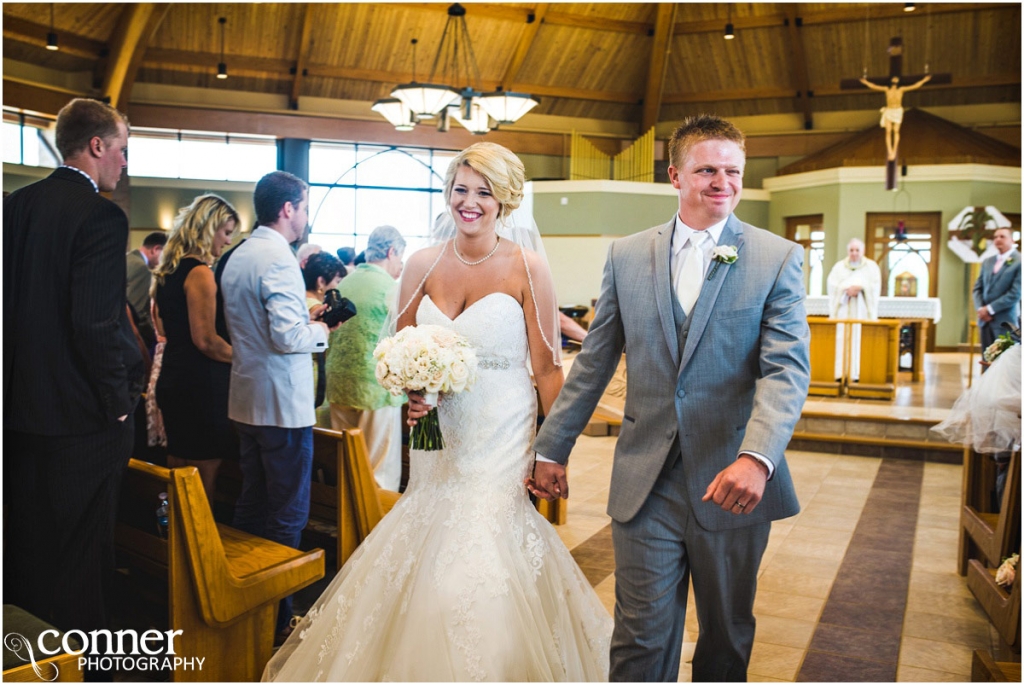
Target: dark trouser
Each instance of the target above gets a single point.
(61, 496)
(656, 554)
(987, 333)
(276, 467)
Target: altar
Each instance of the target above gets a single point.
(916, 315)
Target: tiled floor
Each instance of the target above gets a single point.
(860, 586)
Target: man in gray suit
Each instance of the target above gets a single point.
(139, 264)
(271, 393)
(710, 313)
(997, 290)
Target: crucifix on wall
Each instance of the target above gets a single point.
(892, 113)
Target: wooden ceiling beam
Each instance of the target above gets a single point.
(508, 82)
(798, 63)
(580, 21)
(491, 11)
(24, 31)
(894, 10)
(836, 16)
(722, 95)
(303, 57)
(718, 25)
(660, 48)
(157, 58)
(134, 30)
(980, 81)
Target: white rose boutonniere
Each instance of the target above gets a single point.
(723, 254)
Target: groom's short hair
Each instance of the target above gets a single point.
(697, 129)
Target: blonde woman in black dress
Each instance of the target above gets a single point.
(192, 391)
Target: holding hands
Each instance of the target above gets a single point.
(549, 481)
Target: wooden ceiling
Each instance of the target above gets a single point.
(634, 62)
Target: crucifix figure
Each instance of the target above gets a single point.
(892, 113)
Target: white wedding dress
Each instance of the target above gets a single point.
(463, 579)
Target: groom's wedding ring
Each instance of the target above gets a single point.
(741, 505)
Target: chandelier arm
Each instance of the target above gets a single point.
(440, 50)
(471, 58)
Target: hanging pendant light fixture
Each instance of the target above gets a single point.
(729, 32)
(222, 67)
(426, 99)
(397, 112)
(454, 80)
(51, 37)
(478, 121)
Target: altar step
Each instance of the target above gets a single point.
(878, 435)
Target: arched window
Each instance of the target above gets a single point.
(354, 188)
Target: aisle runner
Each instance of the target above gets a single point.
(858, 636)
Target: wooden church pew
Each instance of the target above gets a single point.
(222, 586)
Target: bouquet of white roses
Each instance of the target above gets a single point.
(427, 359)
(1002, 343)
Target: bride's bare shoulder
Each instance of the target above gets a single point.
(421, 260)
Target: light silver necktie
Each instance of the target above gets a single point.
(691, 276)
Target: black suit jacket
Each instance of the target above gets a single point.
(71, 364)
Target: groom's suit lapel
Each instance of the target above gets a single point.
(732, 234)
(661, 258)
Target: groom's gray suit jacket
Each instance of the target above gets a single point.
(732, 377)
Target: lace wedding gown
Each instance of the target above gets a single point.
(463, 579)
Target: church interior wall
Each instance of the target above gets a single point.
(844, 208)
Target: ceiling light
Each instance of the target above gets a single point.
(51, 37)
(222, 67)
(455, 75)
(908, 7)
(506, 107)
(478, 121)
(729, 33)
(395, 111)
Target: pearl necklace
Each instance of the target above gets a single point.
(455, 246)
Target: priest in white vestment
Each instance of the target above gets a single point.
(854, 286)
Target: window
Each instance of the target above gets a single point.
(165, 153)
(28, 140)
(809, 232)
(354, 188)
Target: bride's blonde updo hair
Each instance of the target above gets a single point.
(503, 171)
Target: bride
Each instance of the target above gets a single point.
(463, 579)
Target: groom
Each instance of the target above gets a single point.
(717, 373)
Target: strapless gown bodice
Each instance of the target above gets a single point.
(463, 579)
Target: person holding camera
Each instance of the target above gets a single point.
(194, 376)
(271, 394)
(356, 399)
(322, 272)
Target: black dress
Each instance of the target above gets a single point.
(192, 391)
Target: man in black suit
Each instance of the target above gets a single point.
(72, 373)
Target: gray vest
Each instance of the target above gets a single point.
(682, 322)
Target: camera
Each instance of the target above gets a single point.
(339, 309)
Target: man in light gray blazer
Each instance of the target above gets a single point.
(997, 290)
(710, 313)
(271, 393)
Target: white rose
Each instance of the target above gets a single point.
(459, 375)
